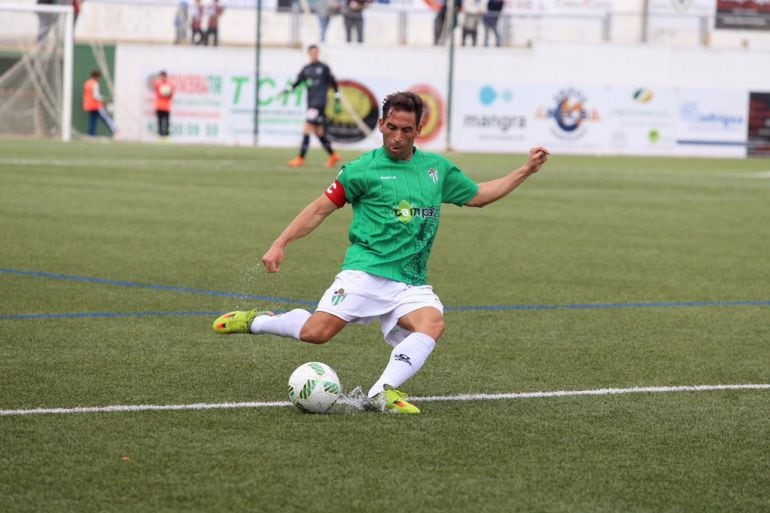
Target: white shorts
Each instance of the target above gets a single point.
(359, 298)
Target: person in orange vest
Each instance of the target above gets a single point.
(93, 104)
(164, 92)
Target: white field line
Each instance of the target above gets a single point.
(461, 397)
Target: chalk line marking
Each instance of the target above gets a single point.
(461, 397)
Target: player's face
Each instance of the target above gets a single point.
(399, 130)
(313, 54)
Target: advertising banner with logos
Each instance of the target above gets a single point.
(712, 123)
(599, 120)
(214, 98)
(743, 14)
(214, 104)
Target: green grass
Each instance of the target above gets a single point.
(683, 243)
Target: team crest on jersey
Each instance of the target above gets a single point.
(405, 212)
(433, 174)
(338, 296)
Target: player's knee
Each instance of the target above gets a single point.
(434, 329)
(315, 335)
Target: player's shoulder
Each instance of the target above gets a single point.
(358, 168)
(362, 163)
(434, 159)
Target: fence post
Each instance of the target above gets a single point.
(402, 26)
(704, 31)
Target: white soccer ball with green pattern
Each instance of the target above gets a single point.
(314, 387)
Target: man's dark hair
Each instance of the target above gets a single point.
(404, 101)
(312, 47)
(96, 73)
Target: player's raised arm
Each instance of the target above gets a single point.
(306, 221)
(493, 190)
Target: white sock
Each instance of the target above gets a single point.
(287, 324)
(406, 359)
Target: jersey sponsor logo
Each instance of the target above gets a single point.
(338, 297)
(433, 175)
(405, 212)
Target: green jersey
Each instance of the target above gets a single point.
(396, 211)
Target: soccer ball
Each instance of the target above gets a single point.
(165, 90)
(314, 387)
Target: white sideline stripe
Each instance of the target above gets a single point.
(461, 397)
(599, 391)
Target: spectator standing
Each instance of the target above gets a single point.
(181, 20)
(197, 23)
(93, 104)
(353, 15)
(471, 17)
(491, 19)
(439, 22)
(164, 92)
(325, 9)
(45, 21)
(213, 13)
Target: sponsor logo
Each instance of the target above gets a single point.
(643, 95)
(571, 114)
(503, 123)
(432, 114)
(188, 83)
(692, 113)
(359, 116)
(489, 95)
(405, 212)
(643, 118)
(433, 175)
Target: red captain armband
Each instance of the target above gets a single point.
(336, 193)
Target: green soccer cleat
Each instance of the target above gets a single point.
(237, 322)
(393, 401)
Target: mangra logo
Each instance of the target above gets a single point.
(358, 116)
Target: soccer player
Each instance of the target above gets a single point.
(319, 78)
(396, 192)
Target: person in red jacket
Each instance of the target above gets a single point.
(93, 104)
(164, 92)
(214, 12)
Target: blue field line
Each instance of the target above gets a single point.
(491, 308)
(606, 306)
(103, 315)
(469, 308)
(166, 288)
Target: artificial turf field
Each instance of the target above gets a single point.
(598, 273)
